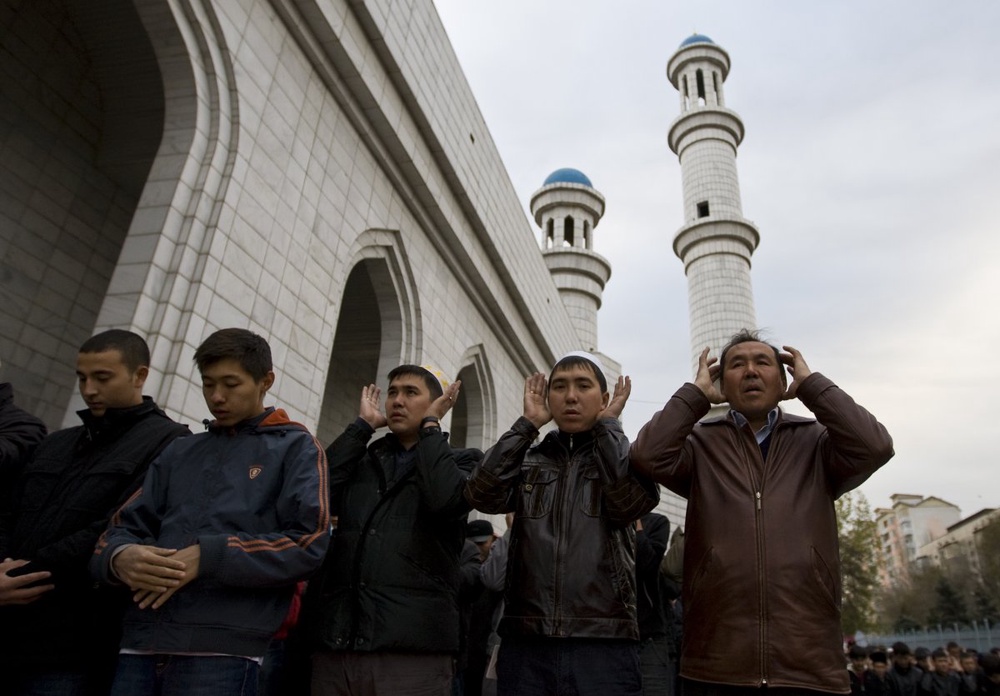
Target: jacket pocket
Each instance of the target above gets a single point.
(826, 580)
(538, 491)
(703, 567)
(102, 487)
(590, 492)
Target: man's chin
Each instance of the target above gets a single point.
(574, 425)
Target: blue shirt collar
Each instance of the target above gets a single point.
(761, 435)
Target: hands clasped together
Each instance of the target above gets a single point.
(21, 589)
(155, 573)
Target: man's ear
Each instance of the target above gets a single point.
(268, 381)
(139, 376)
(605, 400)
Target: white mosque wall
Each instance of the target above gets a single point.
(304, 141)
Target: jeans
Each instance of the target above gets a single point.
(568, 667)
(185, 675)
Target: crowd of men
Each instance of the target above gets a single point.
(943, 671)
(140, 559)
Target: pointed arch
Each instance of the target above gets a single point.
(473, 418)
(376, 326)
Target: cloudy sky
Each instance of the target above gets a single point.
(871, 166)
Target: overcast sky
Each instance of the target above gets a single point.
(871, 166)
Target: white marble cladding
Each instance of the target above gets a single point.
(305, 140)
(580, 276)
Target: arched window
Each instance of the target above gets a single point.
(568, 231)
(700, 81)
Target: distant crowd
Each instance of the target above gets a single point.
(943, 671)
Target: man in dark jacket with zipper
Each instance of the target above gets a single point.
(66, 637)
(569, 624)
(761, 589)
(384, 612)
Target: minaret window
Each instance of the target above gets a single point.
(687, 93)
(550, 233)
(568, 231)
(700, 81)
(703, 209)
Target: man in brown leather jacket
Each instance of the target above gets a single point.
(762, 585)
(569, 623)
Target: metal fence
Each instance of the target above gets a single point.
(979, 635)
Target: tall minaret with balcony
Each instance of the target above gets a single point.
(567, 207)
(715, 242)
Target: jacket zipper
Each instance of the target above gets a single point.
(384, 494)
(561, 537)
(758, 487)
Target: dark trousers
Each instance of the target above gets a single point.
(568, 667)
(382, 674)
(657, 667)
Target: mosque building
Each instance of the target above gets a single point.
(317, 171)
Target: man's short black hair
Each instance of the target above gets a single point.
(132, 346)
(939, 652)
(878, 657)
(250, 350)
(857, 652)
(433, 385)
(900, 649)
(571, 361)
(990, 663)
(748, 336)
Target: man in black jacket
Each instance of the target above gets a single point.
(904, 677)
(569, 623)
(20, 433)
(65, 639)
(656, 615)
(383, 612)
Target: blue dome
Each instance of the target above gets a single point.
(695, 38)
(567, 176)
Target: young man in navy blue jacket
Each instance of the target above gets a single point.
(224, 526)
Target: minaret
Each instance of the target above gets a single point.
(567, 207)
(716, 242)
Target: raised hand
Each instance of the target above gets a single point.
(443, 403)
(536, 408)
(797, 367)
(623, 389)
(708, 373)
(370, 411)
